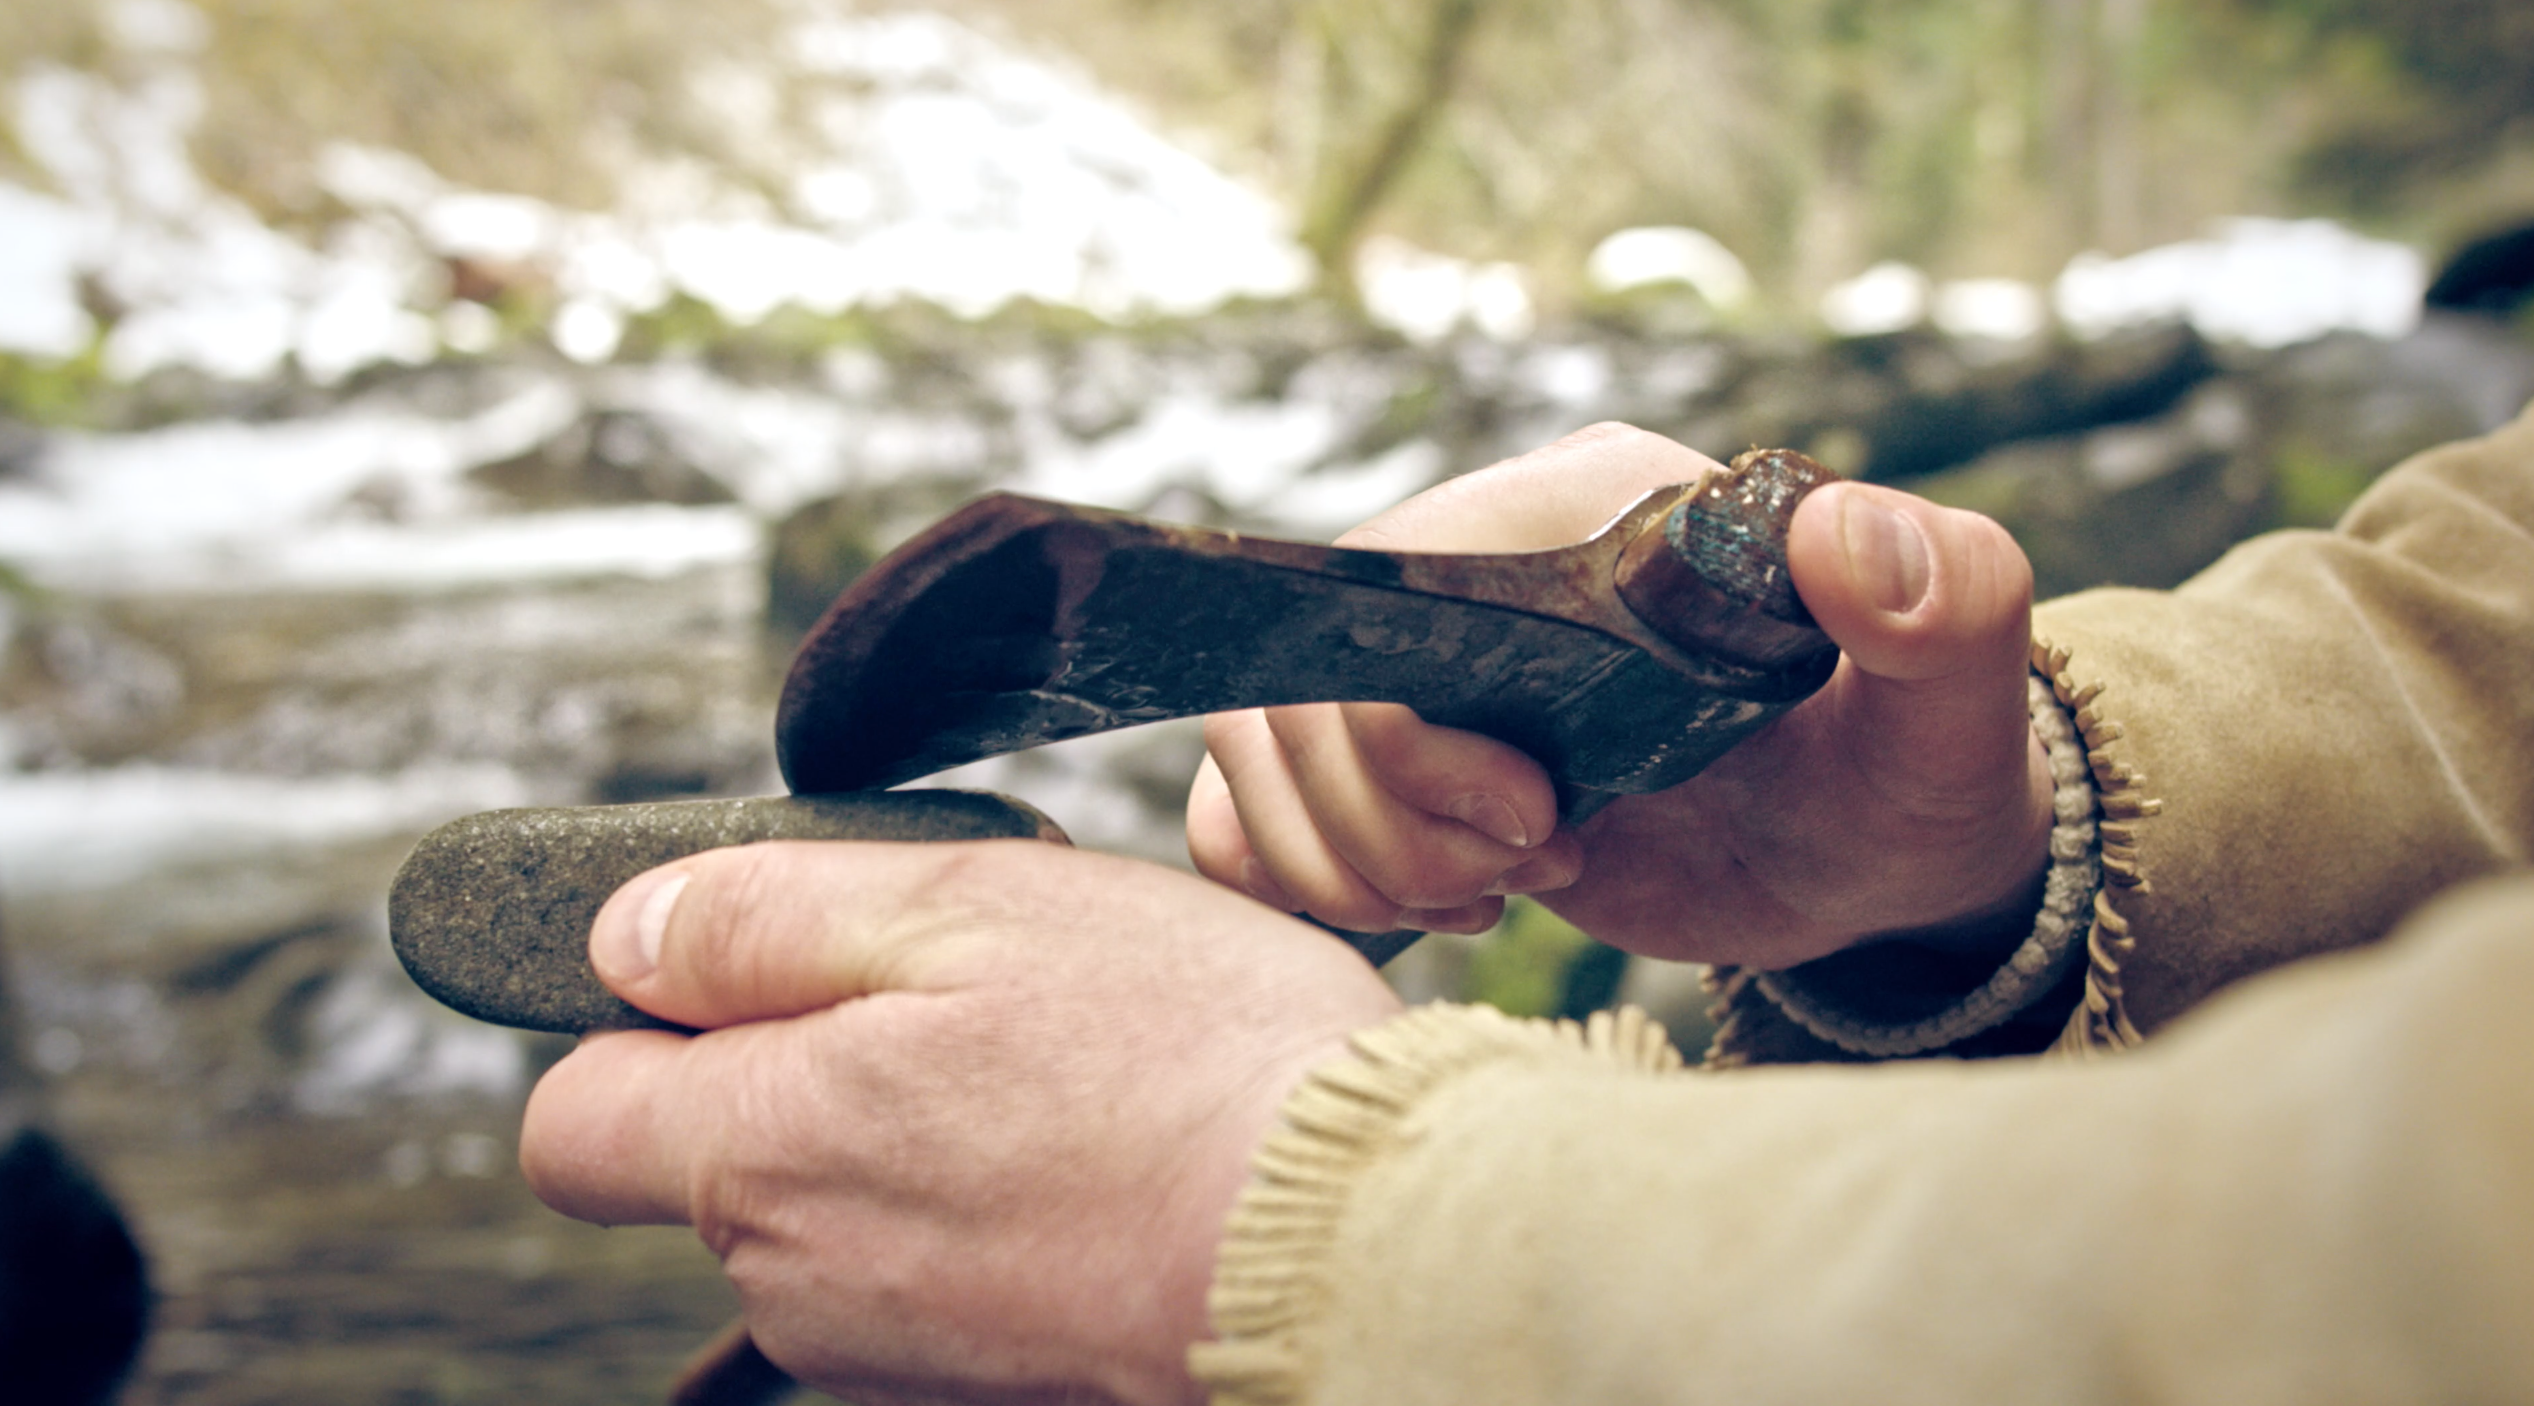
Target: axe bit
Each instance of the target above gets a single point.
(1625, 664)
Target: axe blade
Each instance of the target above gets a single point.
(1016, 622)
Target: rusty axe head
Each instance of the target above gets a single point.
(1624, 663)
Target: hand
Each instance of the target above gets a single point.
(1909, 794)
(965, 1119)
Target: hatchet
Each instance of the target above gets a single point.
(1624, 664)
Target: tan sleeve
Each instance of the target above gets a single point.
(2318, 1189)
(2311, 737)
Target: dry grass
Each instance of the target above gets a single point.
(512, 95)
(515, 95)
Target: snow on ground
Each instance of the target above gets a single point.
(2254, 282)
(72, 830)
(2264, 283)
(943, 168)
(2248, 282)
(231, 506)
(1654, 254)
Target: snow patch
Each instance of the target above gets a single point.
(942, 168)
(2265, 283)
(69, 831)
(1425, 296)
(1654, 254)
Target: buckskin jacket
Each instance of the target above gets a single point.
(2296, 803)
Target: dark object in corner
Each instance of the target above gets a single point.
(74, 1298)
(2493, 275)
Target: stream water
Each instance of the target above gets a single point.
(319, 1162)
(264, 659)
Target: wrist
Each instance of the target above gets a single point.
(1923, 990)
(1223, 1170)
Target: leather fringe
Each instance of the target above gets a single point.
(2101, 1023)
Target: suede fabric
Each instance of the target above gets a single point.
(2314, 1185)
(2338, 725)
(2318, 1189)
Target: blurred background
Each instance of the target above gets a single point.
(409, 410)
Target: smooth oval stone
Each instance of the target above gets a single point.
(491, 914)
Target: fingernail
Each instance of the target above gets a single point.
(1542, 875)
(626, 946)
(1492, 816)
(1887, 554)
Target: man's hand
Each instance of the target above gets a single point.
(1908, 794)
(965, 1120)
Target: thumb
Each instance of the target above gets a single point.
(1932, 607)
(755, 932)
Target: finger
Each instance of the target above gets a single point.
(1221, 852)
(1281, 832)
(1469, 918)
(757, 932)
(1488, 785)
(590, 1142)
(1555, 495)
(1416, 859)
(1933, 609)
(1220, 848)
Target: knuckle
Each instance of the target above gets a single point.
(1300, 729)
(1387, 735)
(732, 888)
(1606, 433)
(1229, 735)
(994, 883)
(1417, 880)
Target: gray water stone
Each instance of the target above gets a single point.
(491, 913)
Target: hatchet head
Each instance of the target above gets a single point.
(1623, 664)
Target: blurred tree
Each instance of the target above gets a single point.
(1812, 137)
(2438, 91)
(515, 95)
(1815, 137)
(1355, 175)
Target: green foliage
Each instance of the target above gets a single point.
(42, 391)
(16, 585)
(2311, 487)
(1521, 965)
(2432, 89)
